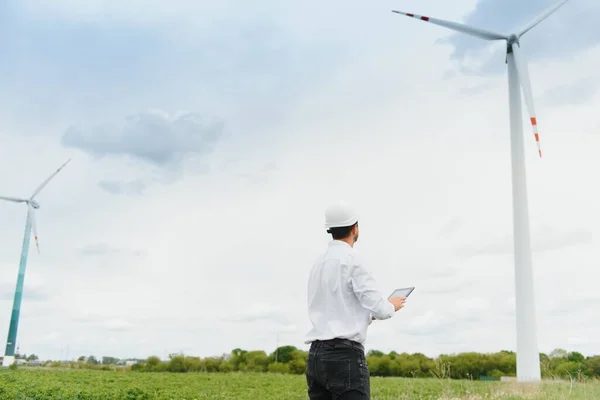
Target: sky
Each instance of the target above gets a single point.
(207, 139)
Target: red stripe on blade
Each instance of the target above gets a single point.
(410, 15)
(533, 121)
(425, 18)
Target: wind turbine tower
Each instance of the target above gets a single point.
(528, 361)
(32, 205)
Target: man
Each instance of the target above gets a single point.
(342, 302)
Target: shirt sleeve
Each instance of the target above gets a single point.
(370, 298)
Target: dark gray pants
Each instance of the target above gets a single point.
(337, 371)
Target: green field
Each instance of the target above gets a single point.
(51, 384)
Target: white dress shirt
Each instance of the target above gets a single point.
(342, 296)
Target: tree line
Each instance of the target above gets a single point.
(559, 364)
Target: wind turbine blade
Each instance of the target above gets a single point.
(13, 199)
(545, 14)
(455, 26)
(39, 189)
(33, 226)
(523, 73)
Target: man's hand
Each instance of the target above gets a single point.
(398, 302)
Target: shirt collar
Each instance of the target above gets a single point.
(336, 242)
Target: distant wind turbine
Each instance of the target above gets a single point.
(528, 362)
(32, 205)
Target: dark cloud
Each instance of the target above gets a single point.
(569, 30)
(150, 137)
(135, 187)
(251, 69)
(551, 241)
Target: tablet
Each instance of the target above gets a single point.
(404, 292)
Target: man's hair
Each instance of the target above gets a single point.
(341, 232)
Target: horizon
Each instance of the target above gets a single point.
(166, 357)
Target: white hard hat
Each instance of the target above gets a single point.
(339, 215)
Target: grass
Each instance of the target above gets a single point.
(52, 384)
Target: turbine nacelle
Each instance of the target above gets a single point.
(512, 39)
(34, 204)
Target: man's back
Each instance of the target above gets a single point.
(333, 308)
(342, 296)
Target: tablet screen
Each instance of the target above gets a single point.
(404, 292)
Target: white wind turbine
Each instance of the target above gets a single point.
(528, 363)
(32, 205)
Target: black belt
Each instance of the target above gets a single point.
(346, 342)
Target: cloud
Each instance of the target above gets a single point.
(265, 313)
(463, 314)
(573, 94)
(450, 227)
(546, 240)
(151, 137)
(112, 324)
(103, 249)
(263, 175)
(134, 187)
(562, 308)
(476, 89)
(35, 294)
